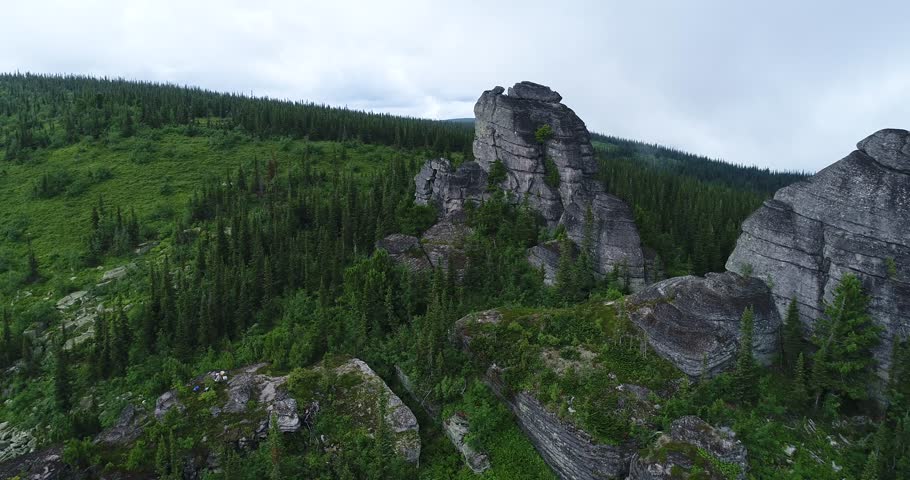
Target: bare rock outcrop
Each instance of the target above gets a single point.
(457, 428)
(441, 246)
(398, 418)
(548, 160)
(851, 217)
(694, 322)
(692, 445)
(570, 451)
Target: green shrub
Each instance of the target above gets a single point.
(543, 134)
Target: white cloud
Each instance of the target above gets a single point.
(781, 84)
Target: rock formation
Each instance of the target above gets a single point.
(686, 447)
(546, 159)
(693, 322)
(568, 450)
(438, 247)
(457, 428)
(398, 418)
(851, 217)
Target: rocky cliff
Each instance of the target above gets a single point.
(537, 149)
(694, 322)
(851, 217)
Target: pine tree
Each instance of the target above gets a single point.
(745, 375)
(276, 449)
(870, 471)
(800, 393)
(792, 344)
(847, 335)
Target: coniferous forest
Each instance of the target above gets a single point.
(151, 233)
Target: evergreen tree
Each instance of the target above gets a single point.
(846, 335)
(745, 375)
(792, 342)
(800, 391)
(275, 449)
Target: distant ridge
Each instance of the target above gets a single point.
(460, 120)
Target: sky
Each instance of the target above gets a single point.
(781, 84)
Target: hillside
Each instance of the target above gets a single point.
(192, 280)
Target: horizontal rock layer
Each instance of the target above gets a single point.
(851, 217)
(505, 132)
(694, 322)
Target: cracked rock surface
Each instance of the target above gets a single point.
(505, 131)
(851, 217)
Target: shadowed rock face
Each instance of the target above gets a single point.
(570, 451)
(505, 130)
(693, 322)
(681, 450)
(851, 217)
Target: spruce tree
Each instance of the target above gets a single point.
(800, 392)
(792, 342)
(847, 335)
(745, 375)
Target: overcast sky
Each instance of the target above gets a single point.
(788, 85)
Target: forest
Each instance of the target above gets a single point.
(257, 221)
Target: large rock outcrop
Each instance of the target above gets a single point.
(692, 445)
(851, 217)
(571, 452)
(694, 322)
(548, 160)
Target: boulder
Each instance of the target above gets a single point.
(851, 217)
(126, 430)
(166, 402)
(44, 464)
(694, 322)
(457, 428)
(71, 299)
(692, 444)
(568, 450)
(398, 418)
(438, 247)
(545, 257)
(506, 129)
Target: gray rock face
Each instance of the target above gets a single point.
(568, 450)
(456, 428)
(45, 464)
(679, 452)
(127, 429)
(545, 257)
(167, 401)
(851, 217)
(505, 128)
(398, 417)
(694, 322)
(440, 246)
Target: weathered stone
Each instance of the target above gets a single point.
(167, 401)
(71, 299)
(126, 430)
(545, 257)
(685, 446)
(398, 418)
(505, 128)
(14, 442)
(457, 428)
(45, 464)
(534, 91)
(286, 411)
(694, 322)
(568, 450)
(851, 217)
(440, 246)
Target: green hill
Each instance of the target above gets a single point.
(246, 229)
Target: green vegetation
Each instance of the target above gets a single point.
(248, 226)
